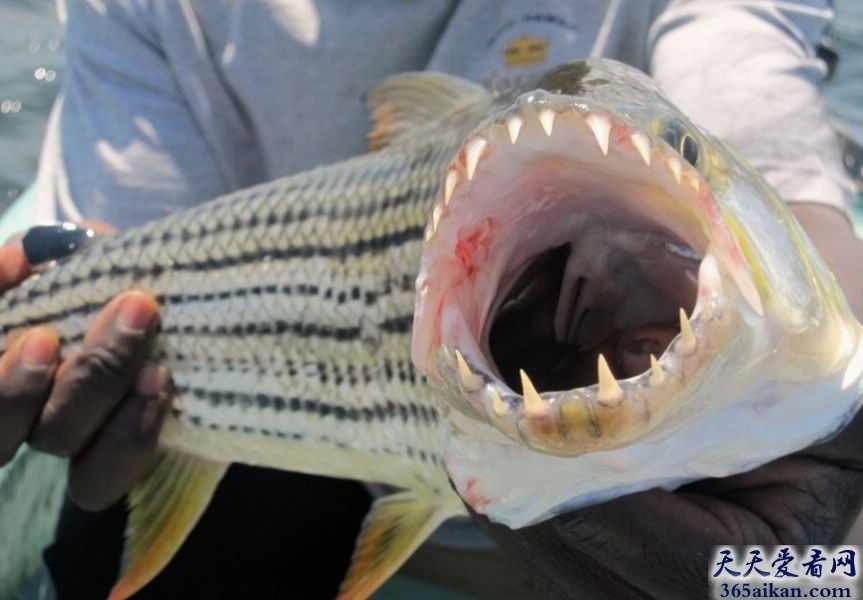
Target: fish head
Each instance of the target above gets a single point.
(601, 281)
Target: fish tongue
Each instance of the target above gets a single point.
(582, 317)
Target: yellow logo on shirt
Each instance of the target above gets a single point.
(525, 51)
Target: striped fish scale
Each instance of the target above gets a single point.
(287, 311)
(286, 308)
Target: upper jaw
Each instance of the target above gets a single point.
(541, 172)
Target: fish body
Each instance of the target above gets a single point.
(299, 336)
(286, 324)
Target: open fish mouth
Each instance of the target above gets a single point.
(582, 260)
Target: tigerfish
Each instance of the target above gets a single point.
(523, 304)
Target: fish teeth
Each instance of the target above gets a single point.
(688, 342)
(609, 389)
(513, 126)
(709, 276)
(449, 185)
(437, 211)
(675, 167)
(747, 288)
(546, 118)
(601, 127)
(533, 403)
(473, 152)
(693, 181)
(470, 381)
(709, 283)
(641, 143)
(448, 357)
(657, 376)
(498, 406)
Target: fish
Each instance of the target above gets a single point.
(521, 304)
(610, 299)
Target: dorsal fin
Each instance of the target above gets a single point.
(406, 102)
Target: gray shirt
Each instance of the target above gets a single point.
(170, 103)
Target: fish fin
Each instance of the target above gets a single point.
(409, 101)
(164, 507)
(394, 528)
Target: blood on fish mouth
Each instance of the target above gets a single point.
(579, 260)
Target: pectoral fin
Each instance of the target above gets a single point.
(394, 528)
(165, 506)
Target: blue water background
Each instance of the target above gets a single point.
(844, 93)
(31, 65)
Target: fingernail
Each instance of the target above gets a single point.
(38, 351)
(152, 382)
(45, 243)
(151, 379)
(151, 416)
(133, 317)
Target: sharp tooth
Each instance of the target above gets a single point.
(747, 288)
(447, 357)
(688, 342)
(676, 167)
(709, 277)
(609, 389)
(546, 119)
(513, 126)
(641, 143)
(472, 154)
(533, 404)
(498, 406)
(449, 185)
(656, 374)
(601, 127)
(470, 381)
(436, 215)
(709, 284)
(706, 309)
(693, 181)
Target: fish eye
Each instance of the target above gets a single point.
(689, 149)
(674, 132)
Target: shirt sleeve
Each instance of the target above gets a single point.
(747, 71)
(126, 145)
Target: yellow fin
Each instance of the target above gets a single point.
(409, 101)
(394, 528)
(165, 506)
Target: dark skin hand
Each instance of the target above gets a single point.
(102, 406)
(659, 544)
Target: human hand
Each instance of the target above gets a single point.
(659, 544)
(101, 406)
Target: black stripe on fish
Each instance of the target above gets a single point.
(295, 404)
(371, 246)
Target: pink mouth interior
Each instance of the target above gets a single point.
(559, 314)
(544, 271)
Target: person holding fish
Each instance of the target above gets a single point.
(169, 104)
